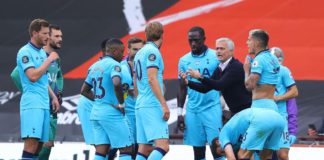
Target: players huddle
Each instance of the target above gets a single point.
(123, 108)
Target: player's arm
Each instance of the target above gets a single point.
(289, 82)
(152, 73)
(60, 80)
(135, 85)
(116, 78)
(251, 79)
(292, 92)
(229, 152)
(34, 74)
(55, 102)
(181, 95)
(118, 87)
(86, 91)
(16, 78)
(60, 83)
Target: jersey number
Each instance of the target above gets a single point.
(99, 80)
(138, 70)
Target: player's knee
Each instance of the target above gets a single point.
(244, 154)
(128, 149)
(145, 149)
(163, 144)
(102, 149)
(283, 156)
(199, 152)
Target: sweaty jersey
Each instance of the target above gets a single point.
(267, 66)
(55, 76)
(35, 94)
(100, 76)
(285, 81)
(148, 57)
(206, 64)
(127, 81)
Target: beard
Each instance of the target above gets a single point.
(54, 46)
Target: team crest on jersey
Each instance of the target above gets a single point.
(152, 57)
(25, 59)
(255, 64)
(117, 69)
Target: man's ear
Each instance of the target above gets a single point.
(34, 33)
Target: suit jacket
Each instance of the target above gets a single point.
(230, 83)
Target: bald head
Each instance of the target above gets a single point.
(278, 53)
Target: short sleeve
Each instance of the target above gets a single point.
(153, 59)
(224, 138)
(88, 79)
(256, 66)
(288, 79)
(25, 60)
(116, 71)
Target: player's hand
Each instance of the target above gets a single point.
(166, 112)
(56, 105)
(59, 97)
(247, 64)
(121, 108)
(183, 77)
(180, 123)
(53, 56)
(292, 139)
(193, 73)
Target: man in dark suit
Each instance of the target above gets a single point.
(227, 78)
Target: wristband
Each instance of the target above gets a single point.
(180, 110)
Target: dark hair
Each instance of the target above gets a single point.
(53, 26)
(312, 126)
(154, 31)
(134, 40)
(103, 45)
(198, 29)
(113, 44)
(260, 35)
(36, 25)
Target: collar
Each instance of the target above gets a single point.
(34, 46)
(204, 51)
(262, 51)
(152, 43)
(225, 64)
(106, 56)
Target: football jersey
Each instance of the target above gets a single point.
(55, 77)
(148, 57)
(35, 94)
(234, 130)
(267, 66)
(100, 76)
(206, 64)
(127, 81)
(285, 81)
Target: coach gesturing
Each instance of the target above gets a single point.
(227, 78)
